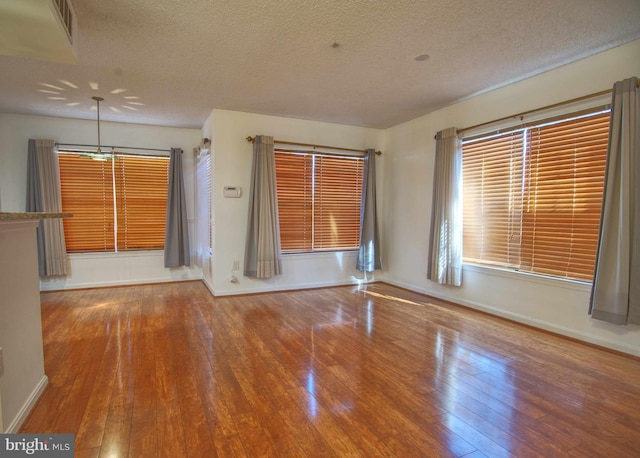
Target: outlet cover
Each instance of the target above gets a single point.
(236, 265)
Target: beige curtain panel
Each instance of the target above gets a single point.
(445, 242)
(43, 195)
(262, 253)
(615, 293)
(369, 257)
(177, 251)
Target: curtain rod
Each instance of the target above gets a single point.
(547, 107)
(251, 139)
(114, 147)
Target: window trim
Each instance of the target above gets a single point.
(117, 190)
(505, 270)
(313, 191)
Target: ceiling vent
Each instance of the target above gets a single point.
(66, 16)
(39, 29)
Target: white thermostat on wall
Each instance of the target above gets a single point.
(232, 191)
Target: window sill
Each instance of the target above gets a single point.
(515, 275)
(321, 254)
(113, 255)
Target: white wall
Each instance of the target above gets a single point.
(232, 166)
(409, 158)
(20, 325)
(89, 270)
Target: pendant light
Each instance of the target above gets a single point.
(99, 156)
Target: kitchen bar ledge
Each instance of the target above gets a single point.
(22, 216)
(23, 378)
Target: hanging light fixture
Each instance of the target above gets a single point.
(99, 156)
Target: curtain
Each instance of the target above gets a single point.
(615, 292)
(262, 253)
(445, 241)
(369, 258)
(43, 195)
(176, 234)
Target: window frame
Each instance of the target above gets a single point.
(310, 226)
(129, 187)
(599, 115)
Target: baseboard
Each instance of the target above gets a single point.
(526, 320)
(281, 288)
(14, 426)
(61, 286)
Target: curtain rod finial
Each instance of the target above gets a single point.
(250, 139)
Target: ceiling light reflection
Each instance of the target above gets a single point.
(52, 86)
(69, 83)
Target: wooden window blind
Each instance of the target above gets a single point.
(294, 179)
(533, 196)
(319, 199)
(87, 192)
(337, 202)
(492, 205)
(140, 199)
(141, 190)
(563, 197)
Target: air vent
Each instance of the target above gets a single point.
(39, 29)
(66, 15)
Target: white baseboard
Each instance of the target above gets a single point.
(529, 321)
(27, 406)
(285, 287)
(61, 285)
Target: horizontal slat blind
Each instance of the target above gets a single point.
(532, 197)
(294, 178)
(141, 195)
(141, 189)
(319, 199)
(338, 195)
(492, 189)
(87, 192)
(564, 197)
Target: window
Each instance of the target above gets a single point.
(533, 196)
(117, 204)
(319, 198)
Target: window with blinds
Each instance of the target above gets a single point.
(118, 204)
(319, 199)
(533, 196)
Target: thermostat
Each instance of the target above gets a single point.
(232, 191)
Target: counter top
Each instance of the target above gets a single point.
(21, 216)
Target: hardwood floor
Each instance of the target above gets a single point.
(168, 370)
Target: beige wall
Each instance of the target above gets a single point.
(232, 166)
(556, 305)
(94, 269)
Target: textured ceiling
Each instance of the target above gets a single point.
(177, 61)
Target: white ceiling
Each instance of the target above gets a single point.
(181, 59)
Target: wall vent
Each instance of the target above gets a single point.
(39, 29)
(66, 16)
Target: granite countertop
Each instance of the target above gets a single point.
(21, 216)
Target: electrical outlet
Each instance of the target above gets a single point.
(1, 363)
(236, 265)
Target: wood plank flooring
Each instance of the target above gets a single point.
(169, 370)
